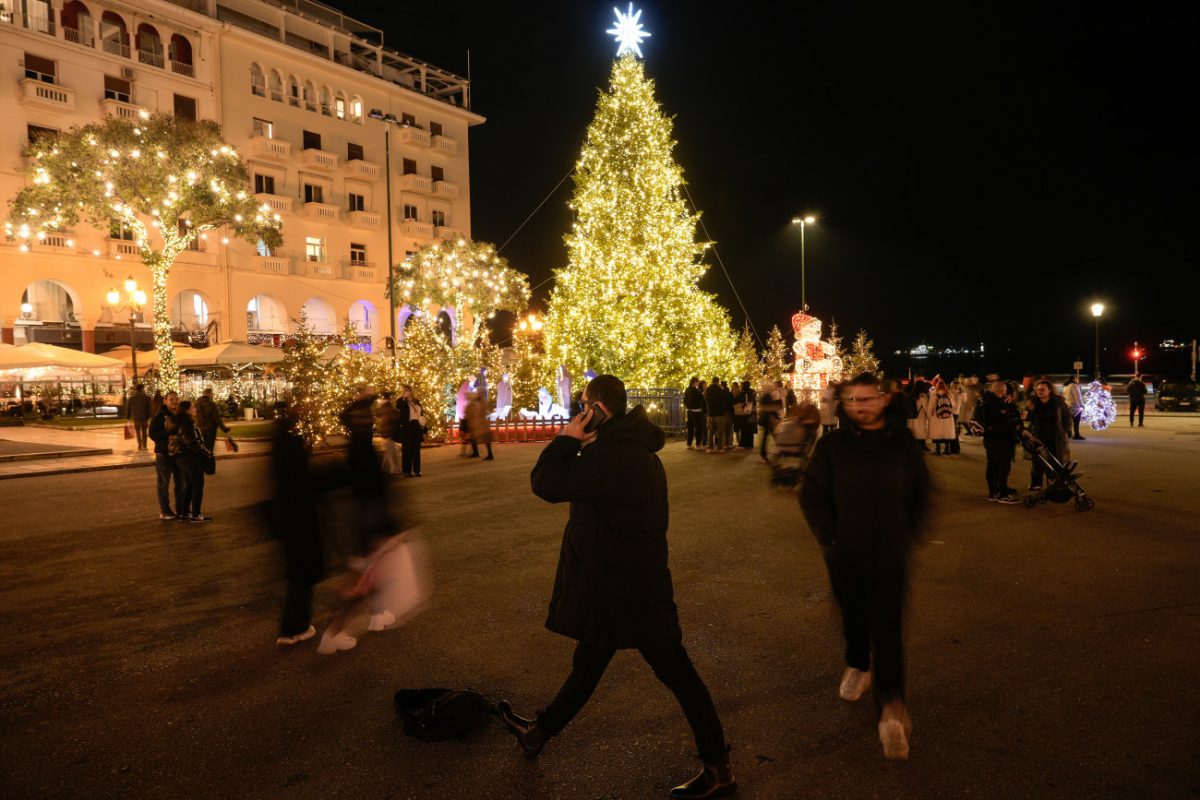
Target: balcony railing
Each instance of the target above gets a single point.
(413, 182)
(446, 232)
(363, 219)
(278, 203)
(78, 36)
(359, 271)
(444, 145)
(421, 230)
(321, 211)
(115, 46)
(183, 68)
(47, 95)
(364, 169)
(322, 269)
(415, 137)
(318, 158)
(119, 109)
(122, 248)
(445, 190)
(278, 265)
(151, 57)
(270, 148)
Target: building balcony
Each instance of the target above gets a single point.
(444, 145)
(412, 227)
(115, 46)
(446, 232)
(277, 202)
(322, 212)
(363, 219)
(152, 57)
(415, 137)
(183, 68)
(413, 182)
(319, 159)
(276, 265)
(79, 36)
(364, 169)
(322, 269)
(58, 243)
(120, 110)
(359, 271)
(267, 147)
(445, 190)
(122, 248)
(49, 96)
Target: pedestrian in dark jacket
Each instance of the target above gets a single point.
(208, 419)
(156, 402)
(864, 494)
(613, 587)
(999, 420)
(718, 411)
(693, 404)
(137, 411)
(186, 448)
(1050, 421)
(164, 466)
(412, 422)
(1137, 399)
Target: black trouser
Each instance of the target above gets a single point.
(475, 447)
(671, 665)
(164, 469)
(764, 422)
(297, 608)
(695, 428)
(1138, 406)
(210, 439)
(1078, 415)
(140, 428)
(999, 462)
(191, 479)
(872, 602)
(1037, 472)
(410, 449)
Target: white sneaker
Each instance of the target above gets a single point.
(384, 619)
(894, 731)
(299, 637)
(854, 683)
(330, 644)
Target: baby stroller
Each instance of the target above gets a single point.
(1062, 487)
(794, 439)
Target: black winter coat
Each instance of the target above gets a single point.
(998, 418)
(716, 402)
(158, 430)
(292, 511)
(865, 494)
(612, 578)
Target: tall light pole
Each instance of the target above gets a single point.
(388, 120)
(803, 222)
(1097, 310)
(135, 300)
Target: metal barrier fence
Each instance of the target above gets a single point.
(664, 407)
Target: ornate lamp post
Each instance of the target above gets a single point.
(135, 300)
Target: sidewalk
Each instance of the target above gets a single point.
(107, 447)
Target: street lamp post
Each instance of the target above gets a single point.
(388, 120)
(135, 300)
(1097, 310)
(803, 222)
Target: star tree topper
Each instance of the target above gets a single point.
(628, 32)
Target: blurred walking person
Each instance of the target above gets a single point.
(480, 428)
(864, 495)
(918, 421)
(137, 411)
(613, 589)
(829, 407)
(749, 419)
(941, 418)
(387, 421)
(999, 419)
(693, 404)
(1050, 421)
(186, 447)
(717, 411)
(770, 412)
(1073, 397)
(412, 431)
(1137, 399)
(165, 469)
(208, 419)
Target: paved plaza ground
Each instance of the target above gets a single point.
(1052, 653)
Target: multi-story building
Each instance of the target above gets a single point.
(294, 85)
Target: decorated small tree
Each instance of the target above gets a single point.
(835, 340)
(1099, 411)
(861, 359)
(425, 362)
(163, 178)
(745, 356)
(528, 370)
(775, 357)
(304, 365)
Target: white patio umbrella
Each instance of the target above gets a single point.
(39, 355)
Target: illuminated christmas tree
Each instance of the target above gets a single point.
(351, 367)
(425, 362)
(1099, 411)
(861, 359)
(528, 369)
(304, 365)
(628, 301)
(745, 356)
(775, 357)
(165, 179)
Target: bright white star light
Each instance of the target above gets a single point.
(628, 31)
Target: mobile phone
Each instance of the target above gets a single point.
(598, 417)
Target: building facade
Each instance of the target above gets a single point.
(294, 85)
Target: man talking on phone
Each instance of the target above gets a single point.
(613, 587)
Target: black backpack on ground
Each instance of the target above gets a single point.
(433, 715)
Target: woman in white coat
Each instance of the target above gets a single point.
(919, 425)
(940, 410)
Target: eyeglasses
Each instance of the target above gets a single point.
(851, 400)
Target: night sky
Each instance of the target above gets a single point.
(982, 172)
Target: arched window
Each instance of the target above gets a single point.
(340, 109)
(77, 24)
(320, 316)
(258, 81)
(149, 45)
(181, 55)
(114, 36)
(276, 86)
(326, 101)
(356, 109)
(310, 96)
(362, 317)
(293, 91)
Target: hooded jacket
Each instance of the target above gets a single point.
(612, 579)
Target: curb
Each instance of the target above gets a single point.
(55, 454)
(103, 467)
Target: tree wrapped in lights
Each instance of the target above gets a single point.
(628, 301)
(425, 362)
(528, 369)
(775, 358)
(166, 179)
(861, 358)
(745, 357)
(468, 277)
(305, 366)
(350, 368)
(1099, 411)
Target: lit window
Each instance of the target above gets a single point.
(339, 108)
(358, 254)
(314, 248)
(262, 249)
(263, 127)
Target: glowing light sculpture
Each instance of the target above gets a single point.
(628, 32)
(1099, 411)
(817, 363)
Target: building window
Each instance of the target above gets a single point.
(435, 129)
(437, 174)
(264, 184)
(258, 81)
(357, 202)
(339, 108)
(275, 84)
(119, 230)
(263, 127)
(314, 248)
(40, 69)
(410, 167)
(356, 110)
(438, 218)
(410, 212)
(408, 119)
(354, 152)
(312, 141)
(358, 255)
(313, 193)
(293, 91)
(263, 249)
(185, 107)
(117, 89)
(36, 132)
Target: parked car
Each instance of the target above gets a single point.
(1176, 396)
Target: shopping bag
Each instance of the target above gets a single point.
(230, 445)
(397, 573)
(128, 431)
